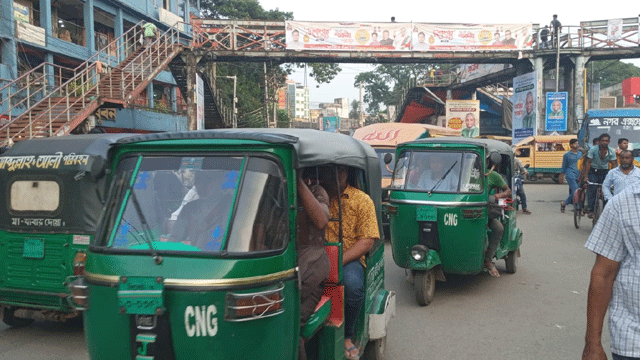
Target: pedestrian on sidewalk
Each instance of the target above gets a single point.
(614, 279)
(521, 173)
(570, 171)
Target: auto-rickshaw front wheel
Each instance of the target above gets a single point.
(425, 286)
(9, 318)
(511, 261)
(375, 349)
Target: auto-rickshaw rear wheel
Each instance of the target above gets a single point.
(511, 261)
(375, 349)
(9, 318)
(425, 286)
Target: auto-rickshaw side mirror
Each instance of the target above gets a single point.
(388, 158)
(98, 168)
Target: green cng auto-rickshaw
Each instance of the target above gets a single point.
(52, 198)
(440, 207)
(156, 287)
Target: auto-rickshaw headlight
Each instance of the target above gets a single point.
(419, 252)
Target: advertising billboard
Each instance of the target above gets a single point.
(464, 115)
(349, 36)
(524, 118)
(472, 37)
(331, 123)
(556, 119)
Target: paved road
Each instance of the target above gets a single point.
(537, 313)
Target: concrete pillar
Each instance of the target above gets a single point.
(45, 17)
(118, 30)
(150, 95)
(579, 94)
(449, 94)
(568, 71)
(186, 12)
(89, 32)
(8, 26)
(538, 67)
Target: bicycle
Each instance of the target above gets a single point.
(579, 199)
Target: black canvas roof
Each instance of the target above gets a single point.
(312, 147)
(489, 144)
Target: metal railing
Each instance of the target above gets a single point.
(78, 87)
(592, 34)
(149, 62)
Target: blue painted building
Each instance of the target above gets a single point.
(68, 32)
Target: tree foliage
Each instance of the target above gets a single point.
(251, 77)
(388, 83)
(354, 113)
(610, 72)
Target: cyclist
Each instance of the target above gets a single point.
(619, 177)
(600, 159)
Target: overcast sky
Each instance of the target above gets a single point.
(458, 11)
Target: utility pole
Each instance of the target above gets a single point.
(557, 36)
(361, 112)
(266, 96)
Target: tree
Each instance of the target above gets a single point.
(610, 72)
(354, 113)
(283, 119)
(251, 98)
(387, 84)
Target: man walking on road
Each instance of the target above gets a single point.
(614, 279)
(570, 171)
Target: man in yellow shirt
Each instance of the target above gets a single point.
(359, 233)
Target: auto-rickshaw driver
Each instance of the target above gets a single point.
(502, 191)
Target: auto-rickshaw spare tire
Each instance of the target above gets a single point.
(9, 318)
(424, 286)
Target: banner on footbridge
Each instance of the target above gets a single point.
(350, 36)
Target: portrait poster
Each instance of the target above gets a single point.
(556, 119)
(524, 117)
(614, 29)
(331, 123)
(464, 115)
(471, 37)
(347, 36)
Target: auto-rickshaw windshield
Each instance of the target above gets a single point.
(190, 204)
(438, 171)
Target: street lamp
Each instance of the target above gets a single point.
(235, 117)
